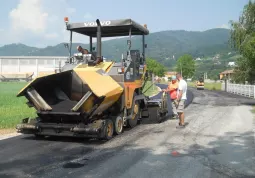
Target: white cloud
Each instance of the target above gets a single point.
(28, 15)
(40, 23)
(224, 26)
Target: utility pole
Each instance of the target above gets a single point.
(153, 81)
(225, 78)
(181, 67)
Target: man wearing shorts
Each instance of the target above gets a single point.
(181, 98)
(172, 89)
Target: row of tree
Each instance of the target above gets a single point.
(185, 65)
(243, 40)
(155, 67)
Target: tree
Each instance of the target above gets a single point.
(242, 39)
(155, 67)
(186, 65)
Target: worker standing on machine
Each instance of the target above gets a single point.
(81, 50)
(172, 89)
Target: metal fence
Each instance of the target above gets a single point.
(36, 64)
(239, 89)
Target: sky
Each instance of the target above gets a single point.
(40, 23)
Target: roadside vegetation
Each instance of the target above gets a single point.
(12, 109)
(208, 86)
(186, 66)
(149, 89)
(242, 38)
(253, 109)
(213, 86)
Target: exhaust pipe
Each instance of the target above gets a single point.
(99, 42)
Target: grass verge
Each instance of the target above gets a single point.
(253, 110)
(12, 109)
(149, 89)
(209, 86)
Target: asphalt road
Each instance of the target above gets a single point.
(217, 142)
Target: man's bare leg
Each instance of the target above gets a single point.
(181, 116)
(180, 111)
(174, 108)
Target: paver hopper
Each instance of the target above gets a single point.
(90, 97)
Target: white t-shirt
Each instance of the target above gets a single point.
(182, 86)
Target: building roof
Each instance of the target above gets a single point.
(171, 73)
(227, 72)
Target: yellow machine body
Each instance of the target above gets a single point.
(88, 95)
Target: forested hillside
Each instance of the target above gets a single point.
(162, 46)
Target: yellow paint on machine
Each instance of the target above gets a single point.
(22, 90)
(108, 101)
(100, 85)
(88, 105)
(130, 87)
(104, 66)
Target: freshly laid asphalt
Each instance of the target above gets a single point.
(217, 142)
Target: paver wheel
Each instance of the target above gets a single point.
(118, 125)
(107, 130)
(135, 115)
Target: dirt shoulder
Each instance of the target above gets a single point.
(7, 133)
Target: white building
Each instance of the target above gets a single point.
(231, 64)
(35, 64)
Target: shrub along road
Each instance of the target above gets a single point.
(218, 142)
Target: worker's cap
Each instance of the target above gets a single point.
(173, 77)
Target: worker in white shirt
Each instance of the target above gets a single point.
(181, 98)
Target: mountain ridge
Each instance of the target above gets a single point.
(162, 45)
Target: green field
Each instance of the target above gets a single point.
(151, 91)
(13, 109)
(253, 109)
(209, 86)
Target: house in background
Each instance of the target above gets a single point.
(168, 75)
(232, 64)
(227, 73)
